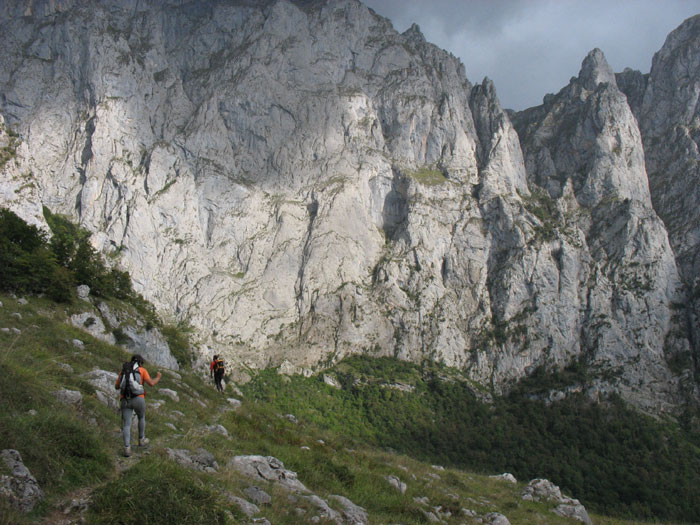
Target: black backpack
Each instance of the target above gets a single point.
(218, 365)
(130, 385)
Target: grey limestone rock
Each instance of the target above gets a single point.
(246, 507)
(326, 512)
(169, 393)
(633, 84)
(669, 118)
(257, 495)
(331, 381)
(495, 518)
(72, 398)
(139, 337)
(233, 402)
(299, 197)
(352, 514)
(83, 292)
(92, 323)
(573, 510)
(396, 483)
(545, 490)
(269, 469)
(19, 487)
(201, 459)
(584, 149)
(430, 516)
(506, 477)
(104, 382)
(218, 429)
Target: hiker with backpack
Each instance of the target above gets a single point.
(217, 370)
(132, 398)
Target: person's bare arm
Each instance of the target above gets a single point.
(153, 382)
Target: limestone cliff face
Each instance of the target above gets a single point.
(301, 182)
(584, 148)
(669, 118)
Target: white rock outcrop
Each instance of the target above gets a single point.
(545, 490)
(19, 487)
(269, 469)
(300, 182)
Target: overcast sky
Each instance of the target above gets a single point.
(533, 47)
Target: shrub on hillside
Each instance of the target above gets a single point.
(33, 263)
(71, 247)
(29, 266)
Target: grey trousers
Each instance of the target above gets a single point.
(129, 406)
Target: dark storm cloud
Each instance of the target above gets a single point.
(532, 47)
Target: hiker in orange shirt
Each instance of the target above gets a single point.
(133, 398)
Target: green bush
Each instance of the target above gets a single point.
(72, 249)
(156, 491)
(29, 266)
(179, 343)
(33, 264)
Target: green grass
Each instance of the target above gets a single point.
(428, 176)
(612, 458)
(346, 441)
(157, 491)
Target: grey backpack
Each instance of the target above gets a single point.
(130, 385)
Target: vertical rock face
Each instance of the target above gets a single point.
(301, 182)
(670, 122)
(583, 146)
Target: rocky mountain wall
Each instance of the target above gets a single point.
(301, 182)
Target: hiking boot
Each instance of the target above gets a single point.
(127, 452)
(143, 442)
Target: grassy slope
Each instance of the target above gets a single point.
(74, 452)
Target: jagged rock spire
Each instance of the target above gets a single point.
(596, 70)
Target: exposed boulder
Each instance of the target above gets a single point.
(506, 477)
(545, 490)
(83, 292)
(92, 323)
(169, 393)
(269, 469)
(246, 507)
(353, 514)
(139, 337)
(258, 495)
(396, 483)
(19, 487)
(217, 429)
(72, 398)
(104, 381)
(201, 459)
(496, 518)
(326, 512)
